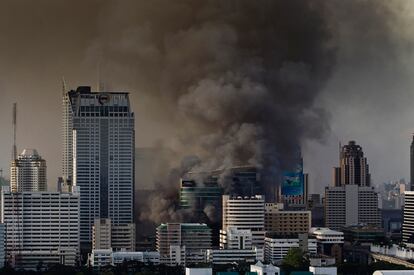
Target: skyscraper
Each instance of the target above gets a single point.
(99, 141)
(28, 172)
(351, 200)
(353, 167)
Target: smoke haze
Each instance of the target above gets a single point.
(218, 83)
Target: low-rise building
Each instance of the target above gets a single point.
(285, 222)
(330, 242)
(198, 271)
(104, 257)
(264, 269)
(362, 234)
(277, 247)
(183, 243)
(323, 270)
(228, 256)
(119, 237)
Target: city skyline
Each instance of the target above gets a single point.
(207, 137)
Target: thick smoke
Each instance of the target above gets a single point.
(237, 79)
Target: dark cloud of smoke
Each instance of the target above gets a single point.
(227, 82)
(237, 79)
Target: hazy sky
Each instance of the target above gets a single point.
(369, 95)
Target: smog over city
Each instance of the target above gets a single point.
(215, 87)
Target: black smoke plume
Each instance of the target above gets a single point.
(237, 80)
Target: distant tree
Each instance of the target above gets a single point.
(295, 260)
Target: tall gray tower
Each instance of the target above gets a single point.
(99, 142)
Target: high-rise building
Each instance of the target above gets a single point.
(408, 224)
(244, 213)
(40, 227)
(183, 243)
(412, 165)
(351, 200)
(98, 140)
(28, 172)
(353, 167)
(350, 205)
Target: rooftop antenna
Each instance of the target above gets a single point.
(340, 147)
(99, 83)
(64, 88)
(14, 152)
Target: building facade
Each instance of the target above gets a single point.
(119, 237)
(277, 247)
(353, 167)
(183, 243)
(412, 166)
(245, 213)
(40, 227)
(99, 141)
(408, 223)
(350, 205)
(285, 222)
(28, 172)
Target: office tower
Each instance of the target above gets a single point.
(28, 172)
(40, 227)
(285, 222)
(99, 127)
(412, 165)
(408, 224)
(183, 243)
(116, 237)
(349, 205)
(244, 213)
(353, 167)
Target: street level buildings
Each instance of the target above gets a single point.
(116, 237)
(277, 247)
(98, 155)
(40, 227)
(183, 243)
(28, 172)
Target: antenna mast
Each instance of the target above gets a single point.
(14, 152)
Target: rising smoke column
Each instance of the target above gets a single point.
(237, 79)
